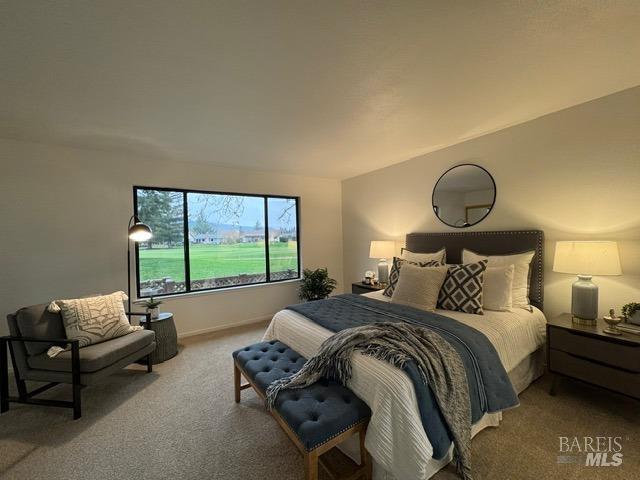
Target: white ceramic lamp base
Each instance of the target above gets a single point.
(383, 271)
(584, 300)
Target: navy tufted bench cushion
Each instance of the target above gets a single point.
(265, 362)
(315, 414)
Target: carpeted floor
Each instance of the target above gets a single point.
(181, 422)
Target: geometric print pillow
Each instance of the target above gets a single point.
(394, 275)
(462, 288)
(92, 320)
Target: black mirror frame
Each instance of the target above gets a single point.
(495, 195)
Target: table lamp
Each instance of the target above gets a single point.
(382, 249)
(586, 259)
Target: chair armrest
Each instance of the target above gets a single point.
(75, 354)
(146, 315)
(57, 341)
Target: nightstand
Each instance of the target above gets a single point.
(360, 288)
(588, 354)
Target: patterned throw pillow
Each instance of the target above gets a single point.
(395, 272)
(462, 289)
(521, 272)
(93, 319)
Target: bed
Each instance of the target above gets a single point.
(396, 437)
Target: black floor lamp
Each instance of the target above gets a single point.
(138, 232)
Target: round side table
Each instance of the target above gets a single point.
(166, 337)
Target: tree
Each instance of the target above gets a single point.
(258, 225)
(286, 214)
(162, 211)
(227, 208)
(201, 225)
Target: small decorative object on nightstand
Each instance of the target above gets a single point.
(587, 353)
(152, 306)
(382, 250)
(369, 278)
(586, 259)
(613, 322)
(360, 288)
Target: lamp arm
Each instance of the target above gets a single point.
(133, 218)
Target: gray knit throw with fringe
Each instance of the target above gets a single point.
(438, 362)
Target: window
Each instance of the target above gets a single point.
(283, 235)
(226, 240)
(210, 240)
(161, 260)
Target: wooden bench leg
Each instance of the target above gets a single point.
(236, 381)
(311, 466)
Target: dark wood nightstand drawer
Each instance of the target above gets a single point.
(602, 375)
(615, 354)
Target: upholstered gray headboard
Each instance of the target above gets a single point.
(488, 243)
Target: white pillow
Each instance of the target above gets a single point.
(419, 287)
(438, 256)
(521, 262)
(497, 288)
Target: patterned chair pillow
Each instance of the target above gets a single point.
(395, 272)
(92, 320)
(462, 288)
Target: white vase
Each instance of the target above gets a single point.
(155, 313)
(635, 318)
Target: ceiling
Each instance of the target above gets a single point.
(329, 88)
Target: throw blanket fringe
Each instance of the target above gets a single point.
(439, 364)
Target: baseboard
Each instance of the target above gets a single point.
(225, 326)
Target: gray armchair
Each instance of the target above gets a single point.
(33, 330)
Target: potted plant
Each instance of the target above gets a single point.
(631, 311)
(152, 306)
(316, 284)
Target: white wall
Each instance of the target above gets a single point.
(63, 216)
(574, 174)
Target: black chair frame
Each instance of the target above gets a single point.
(26, 397)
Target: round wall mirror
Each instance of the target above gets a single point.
(464, 195)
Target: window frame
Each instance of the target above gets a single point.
(186, 243)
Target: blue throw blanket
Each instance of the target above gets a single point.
(490, 389)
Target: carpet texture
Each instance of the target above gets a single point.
(181, 422)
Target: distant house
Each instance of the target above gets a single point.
(205, 239)
(252, 237)
(277, 235)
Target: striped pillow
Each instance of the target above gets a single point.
(395, 272)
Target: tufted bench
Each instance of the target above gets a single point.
(316, 418)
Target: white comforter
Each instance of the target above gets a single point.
(396, 438)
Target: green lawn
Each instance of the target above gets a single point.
(209, 261)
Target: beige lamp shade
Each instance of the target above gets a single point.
(587, 258)
(382, 249)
